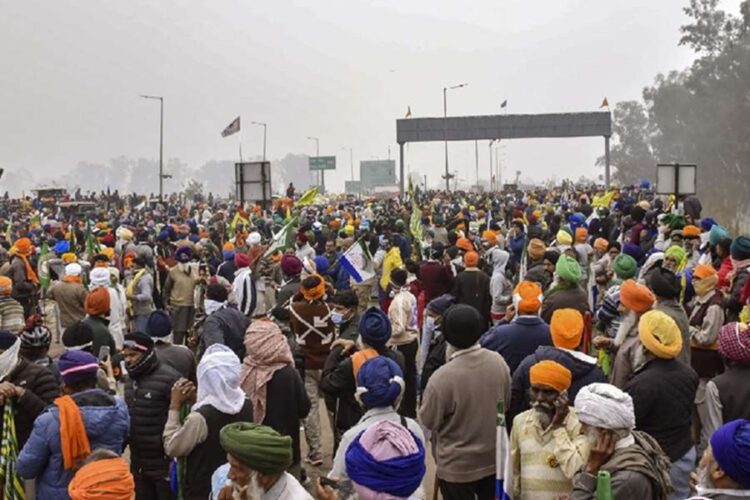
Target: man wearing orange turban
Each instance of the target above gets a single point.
(547, 447)
(97, 307)
(25, 279)
(104, 479)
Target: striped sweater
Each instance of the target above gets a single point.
(11, 315)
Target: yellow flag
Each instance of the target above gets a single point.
(605, 103)
(307, 198)
(604, 200)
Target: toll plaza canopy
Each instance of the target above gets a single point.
(477, 128)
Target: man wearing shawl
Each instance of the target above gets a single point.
(637, 466)
(724, 470)
(219, 401)
(70, 295)
(273, 385)
(546, 445)
(178, 293)
(257, 458)
(25, 279)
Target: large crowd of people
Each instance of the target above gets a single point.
(567, 343)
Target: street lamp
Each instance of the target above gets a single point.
(445, 130)
(321, 174)
(351, 160)
(161, 143)
(265, 128)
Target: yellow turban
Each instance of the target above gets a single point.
(564, 238)
(69, 258)
(660, 335)
(550, 374)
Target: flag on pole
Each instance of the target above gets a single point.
(280, 240)
(44, 276)
(504, 103)
(232, 128)
(92, 245)
(503, 464)
(358, 262)
(408, 112)
(415, 221)
(8, 230)
(605, 104)
(307, 198)
(604, 200)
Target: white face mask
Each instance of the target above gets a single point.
(337, 318)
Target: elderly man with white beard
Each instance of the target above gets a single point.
(257, 458)
(637, 466)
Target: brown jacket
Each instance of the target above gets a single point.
(314, 330)
(71, 299)
(572, 298)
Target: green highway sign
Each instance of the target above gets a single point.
(322, 163)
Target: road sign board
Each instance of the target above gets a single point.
(377, 173)
(322, 163)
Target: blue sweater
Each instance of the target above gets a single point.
(517, 339)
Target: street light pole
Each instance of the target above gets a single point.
(265, 128)
(445, 130)
(161, 143)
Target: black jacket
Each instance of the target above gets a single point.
(663, 392)
(338, 385)
(226, 326)
(286, 404)
(148, 398)
(41, 390)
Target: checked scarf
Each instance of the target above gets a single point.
(10, 480)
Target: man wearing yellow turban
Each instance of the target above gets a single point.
(546, 444)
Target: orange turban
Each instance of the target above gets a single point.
(107, 479)
(464, 244)
(490, 236)
(97, 302)
(601, 244)
(550, 374)
(636, 297)
(536, 249)
(6, 285)
(228, 247)
(566, 328)
(703, 271)
(691, 231)
(527, 297)
(581, 234)
(23, 250)
(471, 259)
(316, 292)
(23, 247)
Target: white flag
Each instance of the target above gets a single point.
(358, 263)
(232, 128)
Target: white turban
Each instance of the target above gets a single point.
(253, 239)
(605, 406)
(73, 269)
(99, 276)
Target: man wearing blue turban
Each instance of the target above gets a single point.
(724, 471)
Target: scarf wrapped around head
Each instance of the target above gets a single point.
(107, 479)
(267, 352)
(258, 447)
(385, 461)
(730, 445)
(23, 250)
(705, 279)
(734, 345)
(218, 377)
(605, 406)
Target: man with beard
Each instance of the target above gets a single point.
(724, 471)
(546, 445)
(637, 466)
(257, 457)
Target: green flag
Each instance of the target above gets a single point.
(282, 239)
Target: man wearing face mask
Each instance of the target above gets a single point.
(546, 445)
(637, 466)
(724, 470)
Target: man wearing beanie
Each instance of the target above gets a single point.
(380, 386)
(87, 417)
(179, 357)
(525, 332)
(97, 310)
(402, 313)
(472, 287)
(178, 294)
(257, 459)
(566, 332)
(11, 311)
(724, 470)
(667, 288)
(462, 413)
(740, 255)
(315, 332)
(291, 268)
(567, 293)
(546, 444)
(147, 393)
(663, 391)
(70, 296)
(339, 378)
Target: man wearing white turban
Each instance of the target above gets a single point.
(638, 467)
(101, 277)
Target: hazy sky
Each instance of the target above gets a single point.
(341, 70)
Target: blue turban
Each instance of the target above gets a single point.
(717, 234)
(62, 247)
(163, 235)
(441, 304)
(183, 254)
(380, 382)
(228, 254)
(194, 238)
(321, 265)
(645, 184)
(707, 223)
(576, 221)
(730, 444)
(375, 327)
(386, 458)
(633, 250)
